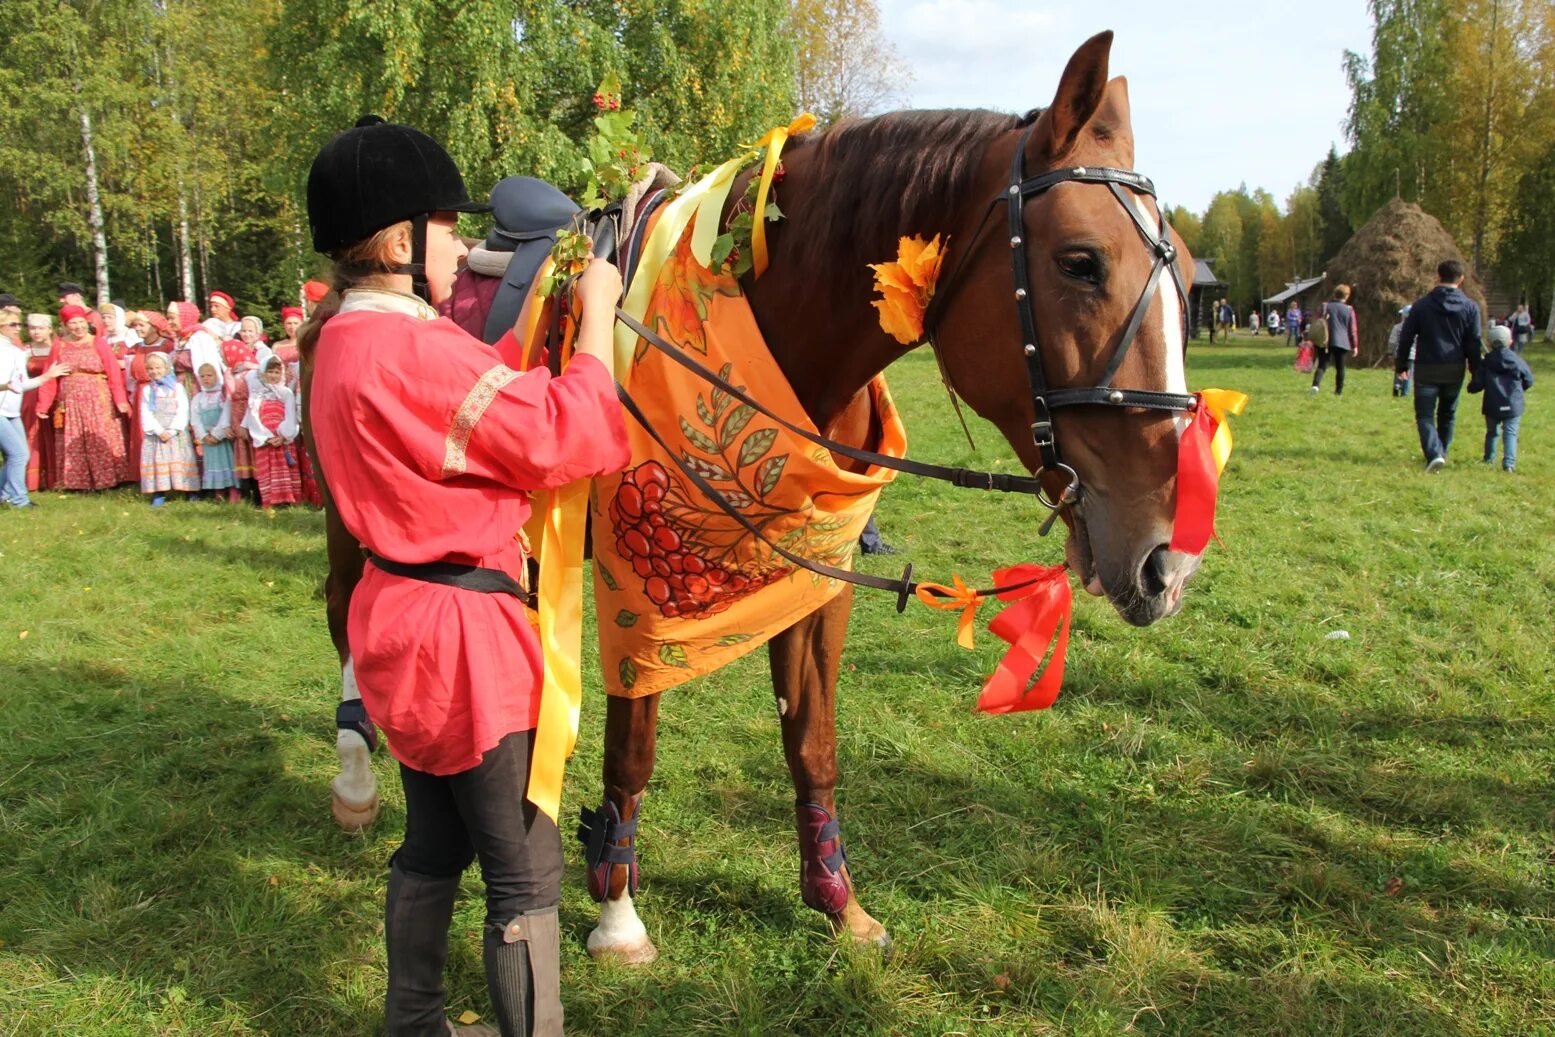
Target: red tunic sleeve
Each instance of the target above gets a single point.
(112, 367)
(49, 390)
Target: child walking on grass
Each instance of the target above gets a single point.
(1503, 376)
(166, 455)
(210, 419)
(272, 427)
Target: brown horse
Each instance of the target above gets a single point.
(849, 194)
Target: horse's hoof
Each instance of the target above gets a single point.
(864, 932)
(353, 818)
(635, 952)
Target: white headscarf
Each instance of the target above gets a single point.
(117, 330)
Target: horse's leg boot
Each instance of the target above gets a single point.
(600, 832)
(418, 911)
(821, 857)
(523, 974)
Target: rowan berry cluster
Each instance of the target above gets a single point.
(676, 577)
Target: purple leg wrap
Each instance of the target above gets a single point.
(599, 832)
(351, 715)
(821, 858)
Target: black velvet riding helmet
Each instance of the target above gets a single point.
(376, 174)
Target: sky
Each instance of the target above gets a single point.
(1223, 93)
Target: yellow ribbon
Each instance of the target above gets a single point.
(557, 527)
(939, 596)
(1222, 404)
(773, 142)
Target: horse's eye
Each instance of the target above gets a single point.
(1081, 266)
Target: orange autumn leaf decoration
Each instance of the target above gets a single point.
(906, 286)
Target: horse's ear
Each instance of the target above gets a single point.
(1079, 93)
(1112, 124)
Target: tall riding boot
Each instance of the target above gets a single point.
(523, 974)
(416, 918)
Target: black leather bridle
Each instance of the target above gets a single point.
(1044, 398)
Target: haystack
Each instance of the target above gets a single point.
(1389, 263)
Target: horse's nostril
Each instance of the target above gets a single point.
(1152, 574)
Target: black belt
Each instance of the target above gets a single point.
(450, 574)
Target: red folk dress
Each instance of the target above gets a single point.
(42, 471)
(90, 439)
(430, 446)
(286, 349)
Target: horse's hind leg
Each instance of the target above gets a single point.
(609, 833)
(805, 660)
(355, 789)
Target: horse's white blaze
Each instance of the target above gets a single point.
(355, 784)
(1171, 323)
(619, 928)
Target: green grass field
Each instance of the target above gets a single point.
(1227, 824)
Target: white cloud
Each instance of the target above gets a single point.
(1237, 91)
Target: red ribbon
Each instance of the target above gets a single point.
(1040, 611)
(1198, 480)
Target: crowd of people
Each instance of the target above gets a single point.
(171, 402)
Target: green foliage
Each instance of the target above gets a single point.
(210, 112)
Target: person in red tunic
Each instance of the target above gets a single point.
(90, 440)
(430, 447)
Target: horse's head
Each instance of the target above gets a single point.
(1087, 266)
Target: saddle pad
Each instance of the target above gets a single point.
(680, 588)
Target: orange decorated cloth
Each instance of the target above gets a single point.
(680, 588)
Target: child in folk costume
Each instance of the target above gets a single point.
(286, 350)
(430, 447)
(210, 423)
(272, 428)
(196, 346)
(166, 455)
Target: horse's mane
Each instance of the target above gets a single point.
(875, 179)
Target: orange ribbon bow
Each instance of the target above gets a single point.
(939, 596)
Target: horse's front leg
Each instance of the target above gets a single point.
(805, 660)
(355, 789)
(609, 834)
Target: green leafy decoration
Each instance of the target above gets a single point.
(733, 639)
(704, 413)
(674, 655)
(711, 470)
(604, 574)
(737, 420)
(698, 439)
(757, 444)
(770, 472)
(628, 672)
(626, 618)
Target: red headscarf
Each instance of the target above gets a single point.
(315, 290)
(188, 318)
(70, 313)
(156, 320)
(224, 297)
(292, 311)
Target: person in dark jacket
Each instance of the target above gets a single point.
(1443, 329)
(1503, 376)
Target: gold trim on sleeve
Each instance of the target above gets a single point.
(470, 411)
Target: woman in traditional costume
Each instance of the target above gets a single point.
(224, 312)
(210, 423)
(196, 346)
(272, 428)
(166, 456)
(91, 399)
(42, 470)
(430, 447)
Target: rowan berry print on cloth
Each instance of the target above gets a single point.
(681, 588)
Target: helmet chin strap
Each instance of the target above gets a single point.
(417, 267)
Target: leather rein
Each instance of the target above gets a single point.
(1044, 398)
